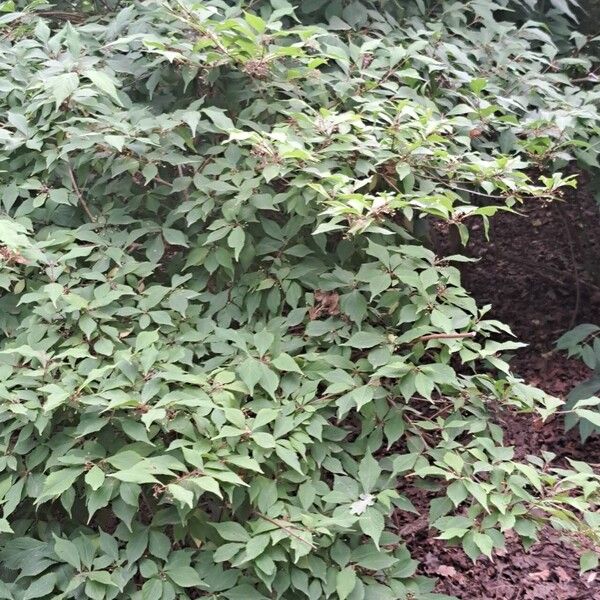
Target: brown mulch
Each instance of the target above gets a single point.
(540, 271)
(549, 571)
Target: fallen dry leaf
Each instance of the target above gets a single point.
(446, 571)
(542, 575)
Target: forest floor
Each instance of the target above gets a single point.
(540, 271)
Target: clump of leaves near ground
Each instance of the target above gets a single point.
(582, 403)
(224, 346)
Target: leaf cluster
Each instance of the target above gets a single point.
(224, 348)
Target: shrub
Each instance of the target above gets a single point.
(223, 347)
(582, 403)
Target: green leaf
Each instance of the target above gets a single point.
(219, 118)
(364, 339)
(118, 142)
(137, 474)
(264, 440)
(152, 589)
(306, 494)
(576, 336)
(255, 22)
(59, 196)
(269, 380)
(226, 552)
(245, 592)
(150, 171)
(355, 306)
(457, 492)
(54, 291)
(145, 339)
(67, 552)
(265, 416)
(136, 545)
(373, 560)
(563, 6)
(136, 431)
(104, 346)
(424, 385)
(257, 545)
(250, 373)
(478, 492)
(209, 484)
(368, 472)
(284, 362)
(231, 531)
(470, 547)
(379, 283)
(263, 340)
(104, 83)
(236, 241)
(5, 526)
(372, 524)
(57, 483)
(62, 86)
(588, 561)
(184, 576)
(478, 84)
(40, 587)
(345, 582)
(101, 577)
(156, 247)
(454, 461)
(181, 494)
(289, 458)
(452, 532)
(589, 415)
(484, 542)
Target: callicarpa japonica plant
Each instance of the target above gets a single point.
(226, 344)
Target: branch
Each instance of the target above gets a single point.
(445, 336)
(284, 528)
(82, 201)
(61, 15)
(457, 188)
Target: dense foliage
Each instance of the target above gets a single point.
(224, 344)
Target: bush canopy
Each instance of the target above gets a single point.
(226, 346)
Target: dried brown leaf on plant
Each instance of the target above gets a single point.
(11, 257)
(326, 304)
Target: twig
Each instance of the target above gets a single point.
(284, 528)
(184, 192)
(445, 336)
(415, 430)
(80, 196)
(61, 15)
(458, 188)
(194, 22)
(418, 525)
(590, 78)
